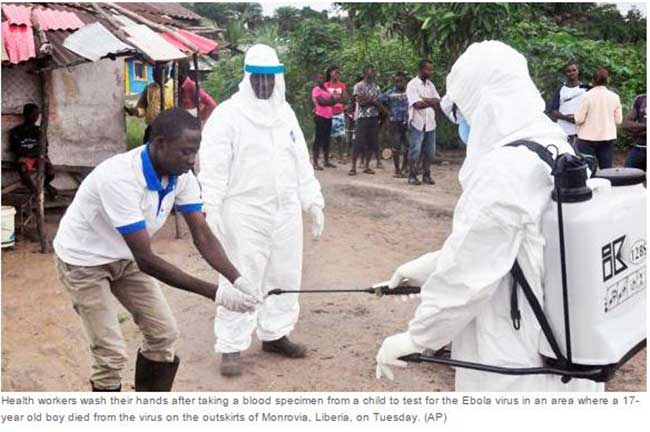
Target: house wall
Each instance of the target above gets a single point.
(87, 121)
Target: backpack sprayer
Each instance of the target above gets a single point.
(594, 315)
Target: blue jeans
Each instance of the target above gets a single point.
(421, 142)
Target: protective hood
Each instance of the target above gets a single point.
(491, 86)
(272, 112)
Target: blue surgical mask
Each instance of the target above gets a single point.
(463, 129)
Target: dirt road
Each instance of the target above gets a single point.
(373, 223)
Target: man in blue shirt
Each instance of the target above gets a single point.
(398, 103)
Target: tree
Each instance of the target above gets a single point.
(249, 14)
(288, 18)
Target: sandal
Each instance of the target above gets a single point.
(368, 171)
(352, 172)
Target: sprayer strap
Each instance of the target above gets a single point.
(544, 154)
(520, 279)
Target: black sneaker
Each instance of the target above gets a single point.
(414, 181)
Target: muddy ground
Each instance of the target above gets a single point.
(373, 223)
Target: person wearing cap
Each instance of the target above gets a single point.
(103, 253)
(257, 178)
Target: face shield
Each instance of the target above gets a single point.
(263, 85)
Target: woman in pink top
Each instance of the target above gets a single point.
(324, 103)
(338, 88)
(596, 119)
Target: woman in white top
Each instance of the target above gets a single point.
(596, 120)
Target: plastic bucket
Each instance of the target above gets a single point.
(8, 226)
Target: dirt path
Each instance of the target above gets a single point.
(373, 223)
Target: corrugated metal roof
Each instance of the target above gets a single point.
(18, 41)
(170, 9)
(61, 56)
(18, 14)
(204, 45)
(94, 41)
(49, 19)
(152, 44)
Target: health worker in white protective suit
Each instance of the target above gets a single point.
(465, 296)
(256, 180)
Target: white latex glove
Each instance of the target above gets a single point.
(416, 271)
(235, 300)
(243, 285)
(391, 350)
(317, 221)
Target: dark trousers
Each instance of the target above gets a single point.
(603, 151)
(366, 139)
(322, 134)
(636, 158)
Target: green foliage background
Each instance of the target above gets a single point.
(394, 36)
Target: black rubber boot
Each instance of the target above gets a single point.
(230, 364)
(95, 389)
(153, 376)
(285, 347)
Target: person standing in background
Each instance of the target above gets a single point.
(367, 94)
(324, 103)
(635, 126)
(148, 105)
(596, 119)
(187, 93)
(567, 100)
(339, 89)
(423, 98)
(397, 101)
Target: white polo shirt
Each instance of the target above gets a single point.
(421, 119)
(121, 195)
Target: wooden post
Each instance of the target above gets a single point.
(161, 84)
(177, 218)
(45, 83)
(197, 89)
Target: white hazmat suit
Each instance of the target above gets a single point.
(256, 179)
(466, 284)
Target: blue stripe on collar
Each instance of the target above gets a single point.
(264, 69)
(150, 175)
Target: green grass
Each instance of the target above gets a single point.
(134, 131)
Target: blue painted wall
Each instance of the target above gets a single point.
(136, 86)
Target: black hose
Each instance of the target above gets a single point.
(420, 358)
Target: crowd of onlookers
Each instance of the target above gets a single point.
(352, 120)
(588, 113)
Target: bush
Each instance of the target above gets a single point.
(134, 131)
